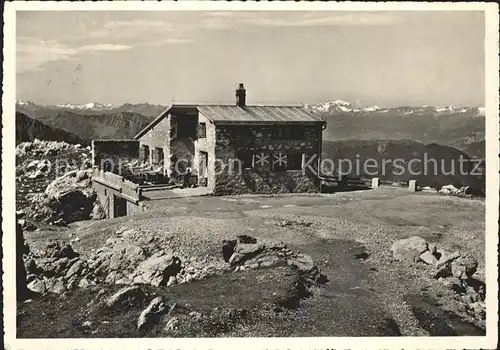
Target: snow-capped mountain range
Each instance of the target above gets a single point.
(340, 106)
(343, 107)
(328, 108)
(91, 105)
(146, 109)
(96, 106)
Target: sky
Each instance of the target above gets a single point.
(367, 58)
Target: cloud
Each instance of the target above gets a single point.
(125, 34)
(141, 24)
(104, 47)
(227, 19)
(169, 41)
(144, 32)
(32, 53)
(132, 29)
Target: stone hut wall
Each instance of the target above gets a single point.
(159, 137)
(261, 177)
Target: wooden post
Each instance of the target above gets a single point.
(412, 186)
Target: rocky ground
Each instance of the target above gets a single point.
(376, 262)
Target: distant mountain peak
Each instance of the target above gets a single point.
(24, 103)
(90, 105)
(341, 102)
(372, 108)
(344, 107)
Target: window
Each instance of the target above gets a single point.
(144, 153)
(158, 156)
(287, 161)
(201, 130)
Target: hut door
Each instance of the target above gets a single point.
(120, 206)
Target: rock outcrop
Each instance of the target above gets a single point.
(133, 258)
(452, 268)
(409, 249)
(150, 315)
(463, 191)
(157, 269)
(53, 182)
(125, 296)
(67, 199)
(254, 255)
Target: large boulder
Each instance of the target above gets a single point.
(428, 258)
(446, 257)
(116, 260)
(76, 269)
(303, 262)
(124, 256)
(125, 296)
(449, 189)
(71, 196)
(157, 269)
(465, 190)
(251, 248)
(37, 286)
(464, 267)
(57, 287)
(58, 249)
(409, 249)
(151, 314)
(246, 248)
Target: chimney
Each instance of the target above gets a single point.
(241, 95)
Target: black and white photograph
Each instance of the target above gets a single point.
(275, 171)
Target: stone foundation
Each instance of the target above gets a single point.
(110, 187)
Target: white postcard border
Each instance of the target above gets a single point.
(492, 182)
